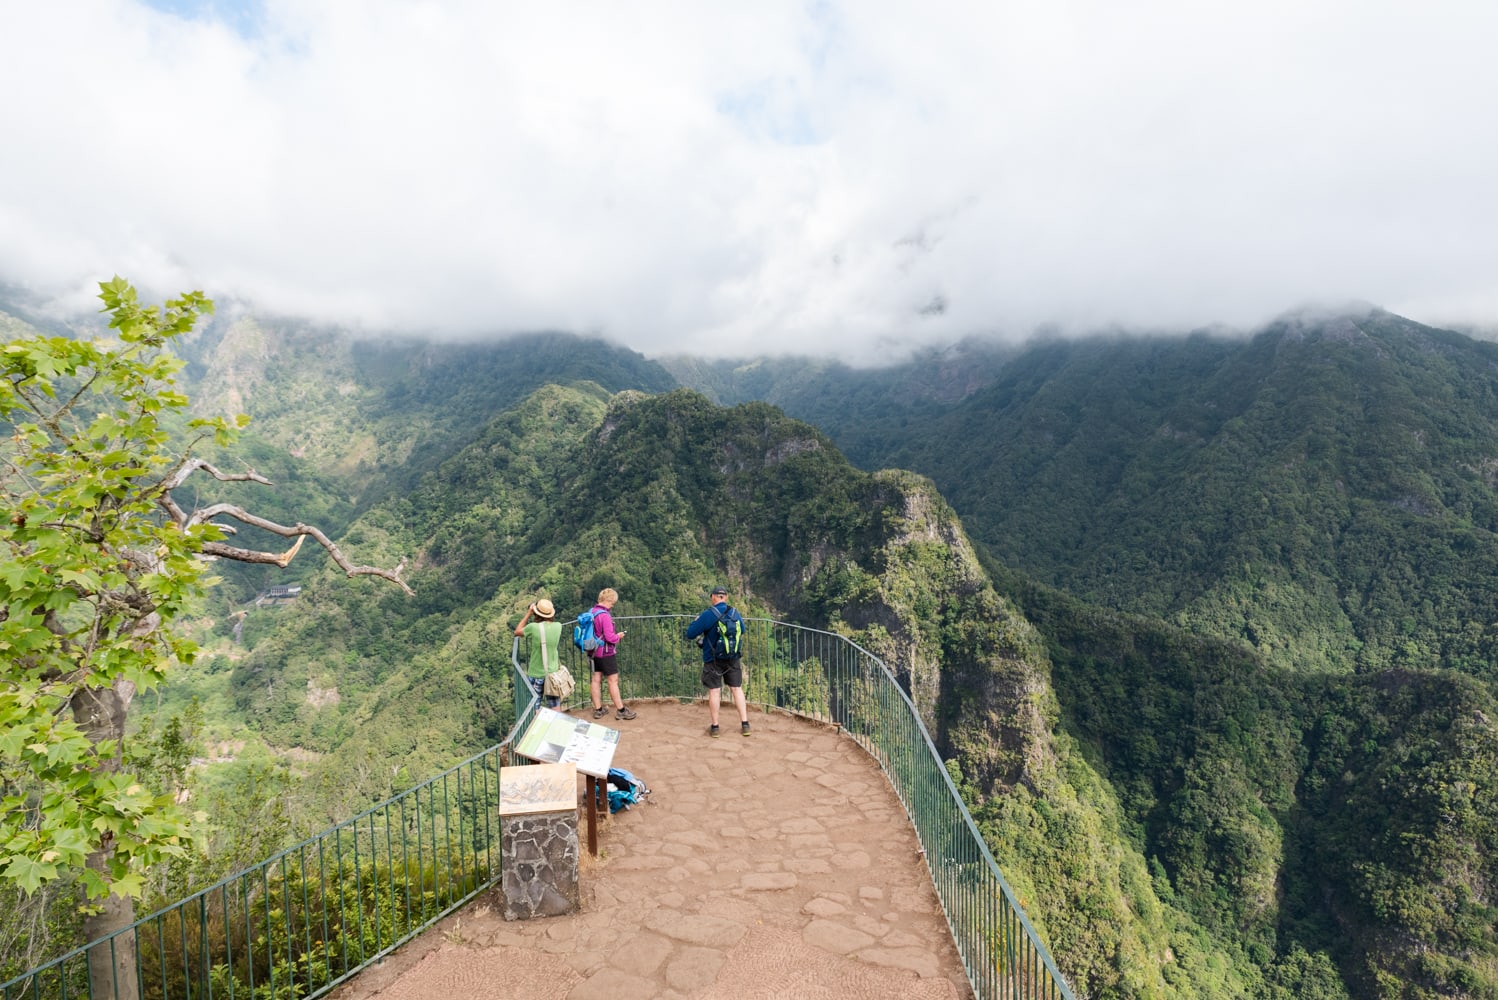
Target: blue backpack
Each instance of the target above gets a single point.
(624, 789)
(583, 636)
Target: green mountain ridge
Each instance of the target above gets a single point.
(341, 422)
(1322, 491)
(381, 412)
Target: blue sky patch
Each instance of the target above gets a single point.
(245, 17)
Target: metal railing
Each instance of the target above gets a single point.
(309, 918)
(828, 677)
(312, 916)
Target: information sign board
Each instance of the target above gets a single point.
(557, 738)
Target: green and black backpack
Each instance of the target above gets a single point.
(728, 637)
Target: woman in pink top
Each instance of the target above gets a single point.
(604, 663)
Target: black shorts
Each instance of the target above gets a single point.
(715, 673)
(606, 665)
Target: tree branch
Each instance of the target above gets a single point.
(292, 531)
(191, 465)
(298, 531)
(238, 554)
(281, 559)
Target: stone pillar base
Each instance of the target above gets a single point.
(538, 875)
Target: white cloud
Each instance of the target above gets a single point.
(775, 176)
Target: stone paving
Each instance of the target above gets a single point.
(776, 866)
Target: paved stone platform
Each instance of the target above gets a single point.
(778, 866)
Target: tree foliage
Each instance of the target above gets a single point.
(91, 572)
(100, 559)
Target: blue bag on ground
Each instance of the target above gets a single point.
(624, 789)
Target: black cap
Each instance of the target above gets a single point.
(716, 591)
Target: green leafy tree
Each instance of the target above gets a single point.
(99, 558)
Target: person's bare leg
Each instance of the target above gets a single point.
(738, 702)
(597, 691)
(614, 692)
(714, 695)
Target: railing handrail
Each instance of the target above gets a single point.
(951, 786)
(976, 944)
(82, 951)
(969, 823)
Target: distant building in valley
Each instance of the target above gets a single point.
(282, 594)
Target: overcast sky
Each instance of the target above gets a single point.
(756, 177)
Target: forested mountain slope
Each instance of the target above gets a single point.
(1323, 491)
(340, 423)
(1303, 815)
(1185, 820)
(870, 409)
(379, 413)
(658, 496)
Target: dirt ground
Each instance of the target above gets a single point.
(777, 866)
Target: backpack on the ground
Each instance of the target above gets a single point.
(624, 789)
(728, 635)
(583, 636)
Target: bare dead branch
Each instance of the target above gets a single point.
(221, 551)
(290, 553)
(249, 555)
(238, 554)
(203, 514)
(179, 475)
(298, 531)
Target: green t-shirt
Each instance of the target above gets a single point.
(543, 638)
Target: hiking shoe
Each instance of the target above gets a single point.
(744, 729)
(714, 732)
(626, 713)
(599, 713)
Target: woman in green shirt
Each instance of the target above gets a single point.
(543, 635)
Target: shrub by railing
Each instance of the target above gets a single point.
(311, 917)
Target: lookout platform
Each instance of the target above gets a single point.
(781, 865)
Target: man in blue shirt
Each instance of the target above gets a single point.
(722, 632)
